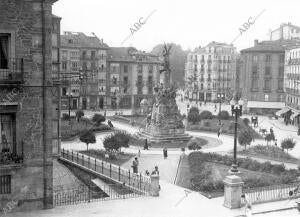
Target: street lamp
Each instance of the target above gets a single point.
(70, 96)
(236, 109)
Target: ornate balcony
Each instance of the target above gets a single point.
(8, 158)
(11, 71)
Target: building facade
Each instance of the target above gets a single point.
(83, 56)
(286, 31)
(262, 77)
(209, 72)
(26, 128)
(292, 87)
(132, 76)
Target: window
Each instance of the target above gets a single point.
(64, 65)
(281, 58)
(64, 54)
(150, 68)
(125, 68)
(267, 84)
(266, 97)
(84, 65)
(74, 66)
(4, 51)
(280, 84)
(209, 77)
(202, 68)
(280, 71)
(84, 54)
(268, 58)
(140, 80)
(254, 83)
(5, 184)
(195, 68)
(93, 54)
(93, 65)
(208, 86)
(201, 86)
(267, 70)
(140, 68)
(125, 80)
(125, 90)
(254, 58)
(114, 80)
(71, 41)
(7, 132)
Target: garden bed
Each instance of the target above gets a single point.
(76, 128)
(269, 153)
(212, 125)
(116, 158)
(207, 171)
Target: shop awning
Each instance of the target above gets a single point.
(282, 111)
(295, 114)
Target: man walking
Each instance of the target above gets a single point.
(165, 153)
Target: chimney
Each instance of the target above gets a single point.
(255, 42)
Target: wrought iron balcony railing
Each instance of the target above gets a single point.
(11, 71)
(7, 157)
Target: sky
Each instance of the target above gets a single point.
(190, 23)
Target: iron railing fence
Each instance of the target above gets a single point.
(93, 194)
(273, 193)
(136, 181)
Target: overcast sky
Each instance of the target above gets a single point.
(190, 23)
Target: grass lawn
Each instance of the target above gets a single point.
(212, 125)
(211, 142)
(117, 159)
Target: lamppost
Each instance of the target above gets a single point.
(236, 110)
(69, 96)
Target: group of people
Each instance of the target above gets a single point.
(135, 168)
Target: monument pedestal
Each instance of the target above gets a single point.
(164, 123)
(232, 191)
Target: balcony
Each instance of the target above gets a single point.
(9, 158)
(11, 71)
(267, 90)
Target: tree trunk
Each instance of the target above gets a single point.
(87, 146)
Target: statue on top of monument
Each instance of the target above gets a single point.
(166, 65)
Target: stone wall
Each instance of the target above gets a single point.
(31, 180)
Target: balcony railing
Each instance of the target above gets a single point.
(11, 71)
(7, 157)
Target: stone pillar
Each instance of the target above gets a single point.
(154, 188)
(232, 191)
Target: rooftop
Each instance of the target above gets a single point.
(80, 40)
(272, 46)
(129, 54)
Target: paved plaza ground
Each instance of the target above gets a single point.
(174, 200)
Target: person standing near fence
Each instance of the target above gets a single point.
(248, 205)
(135, 165)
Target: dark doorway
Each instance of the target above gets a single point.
(101, 103)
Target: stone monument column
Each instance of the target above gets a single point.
(232, 191)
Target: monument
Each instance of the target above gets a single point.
(164, 122)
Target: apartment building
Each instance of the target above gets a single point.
(209, 72)
(83, 55)
(132, 76)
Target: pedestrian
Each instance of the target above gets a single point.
(200, 104)
(271, 130)
(147, 173)
(299, 131)
(248, 205)
(139, 153)
(275, 142)
(155, 171)
(105, 113)
(146, 147)
(165, 153)
(110, 124)
(135, 165)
